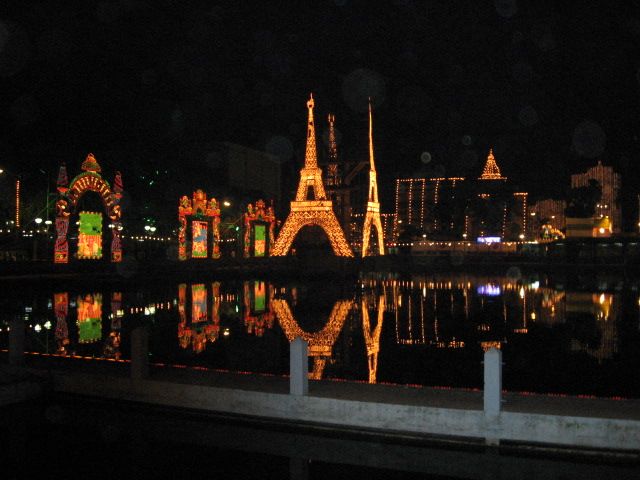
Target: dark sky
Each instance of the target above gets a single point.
(152, 84)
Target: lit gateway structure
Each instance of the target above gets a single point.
(311, 206)
(609, 181)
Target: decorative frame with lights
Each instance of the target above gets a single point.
(69, 195)
(259, 230)
(195, 216)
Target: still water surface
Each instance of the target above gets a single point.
(577, 338)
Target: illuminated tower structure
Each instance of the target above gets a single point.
(372, 215)
(336, 189)
(609, 181)
(498, 211)
(311, 206)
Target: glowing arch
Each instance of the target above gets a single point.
(88, 181)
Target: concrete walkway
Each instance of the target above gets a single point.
(569, 422)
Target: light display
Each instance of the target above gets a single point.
(17, 203)
(259, 228)
(489, 240)
(372, 216)
(258, 314)
(491, 170)
(311, 206)
(320, 343)
(199, 239)
(204, 219)
(69, 195)
(89, 309)
(90, 235)
(489, 290)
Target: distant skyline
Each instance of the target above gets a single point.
(146, 86)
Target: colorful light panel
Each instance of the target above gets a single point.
(199, 244)
(90, 235)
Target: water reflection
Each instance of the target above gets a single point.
(372, 335)
(258, 313)
(428, 330)
(200, 328)
(321, 342)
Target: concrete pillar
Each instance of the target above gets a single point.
(298, 367)
(492, 382)
(492, 394)
(16, 341)
(139, 353)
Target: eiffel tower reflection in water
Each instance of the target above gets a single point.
(425, 330)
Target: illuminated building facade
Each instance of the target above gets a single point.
(609, 181)
(457, 209)
(497, 211)
(430, 205)
(546, 212)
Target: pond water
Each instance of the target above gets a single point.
(570, 337)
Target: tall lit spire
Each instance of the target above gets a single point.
(333, 147)
(491, 170)
(372, 215)
(311, 156)
(371, 162)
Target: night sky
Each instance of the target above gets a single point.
(150, 86)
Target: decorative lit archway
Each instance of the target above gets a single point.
(259, 228)
(90, 242)
(204, 219)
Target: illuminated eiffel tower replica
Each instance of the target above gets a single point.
(311, 206)
(372, 216)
